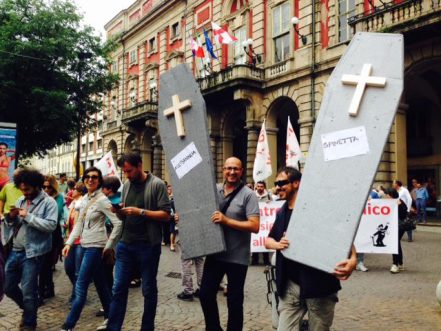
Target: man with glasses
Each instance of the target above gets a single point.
(302, 288)
(29, 224)
(238, 215)
(145, 205)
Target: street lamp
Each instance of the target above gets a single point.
(248, 44)
(295, 22)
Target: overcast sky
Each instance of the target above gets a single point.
(98, 12)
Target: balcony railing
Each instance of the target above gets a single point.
(233, 74)
(389, 15)
(277, 69)
(141, 110)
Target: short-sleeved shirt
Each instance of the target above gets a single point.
(244, 205)
(139, 228)
(9, 195)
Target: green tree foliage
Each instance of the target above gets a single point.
(52, 72)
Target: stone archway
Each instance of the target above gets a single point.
(276, 124)
(130, 143)
(422, 95)
(234, 134)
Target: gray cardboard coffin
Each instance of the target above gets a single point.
(195, 193)
(333, 194)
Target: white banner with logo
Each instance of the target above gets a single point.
(378, 230)
(268, 212)
(107, 166)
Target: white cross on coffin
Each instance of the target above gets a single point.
(361, 82)
(176, 111)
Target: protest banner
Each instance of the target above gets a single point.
(268, 212)
(378, 230)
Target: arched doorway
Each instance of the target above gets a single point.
(277, 123)
(422, 95)
(235, 135)
(129, 145)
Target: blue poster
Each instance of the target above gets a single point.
(8, 142)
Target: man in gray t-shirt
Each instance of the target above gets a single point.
(238, 215)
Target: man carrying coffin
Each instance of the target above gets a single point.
(239, 216)
(301, 287)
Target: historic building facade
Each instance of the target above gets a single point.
(279, 67)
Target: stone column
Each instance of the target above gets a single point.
(253, 135)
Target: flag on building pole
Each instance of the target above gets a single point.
(199, 50)
(293, 152)
(209, 45)
(221, 36)
(262, 163)
(194, 46)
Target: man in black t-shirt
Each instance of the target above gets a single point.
(301, 287)
(145, 205)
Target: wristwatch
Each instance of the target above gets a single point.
(143, 212)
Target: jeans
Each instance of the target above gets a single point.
(23, 271)
(72, 265)
(214, 271)
(128, 256)
(292, 309)
(91, 269)
(398, 258)
(421, 209)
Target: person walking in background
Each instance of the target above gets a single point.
(97, 246)
(173, 219)
(397, 259)
(72, 262)
(70, 190)
(421, 202)
(406, 197)
(46, 288)
(29, 225)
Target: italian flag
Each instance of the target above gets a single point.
(221, 36)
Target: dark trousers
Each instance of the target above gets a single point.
(45, 278)
(165, 232)
(127, 257)
(214, 271)
(398, 258)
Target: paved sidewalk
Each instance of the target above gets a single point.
(376, 300)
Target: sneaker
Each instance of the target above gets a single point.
(196, 293)
(401, 267)
(361, 267)
(394, 269)
(135, 283)
(100, 313)
(103, 326)
(172, 248)
(65, 328)
(185, 297)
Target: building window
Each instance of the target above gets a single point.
(281, 26)
(100, 144)
(132, 96)
(175, 30)
(346, 9)
(83, 148)
(91, 146)
(152, 45)
(239, 53)
(114, 66)
(133, 56)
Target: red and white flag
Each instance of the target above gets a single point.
(199, 51)
(293, 152)
(221, 36)
(262, 163)
(107, 166)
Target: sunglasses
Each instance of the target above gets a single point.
(281, 183)
(93, 177)
(46, 187)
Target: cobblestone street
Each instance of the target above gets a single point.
(376, 300)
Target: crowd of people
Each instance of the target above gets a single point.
(110, 234)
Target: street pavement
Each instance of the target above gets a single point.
(375, 300)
